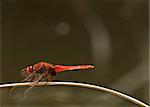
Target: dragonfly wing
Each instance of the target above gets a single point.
(36, 81)
(27, 78)
(30, 76)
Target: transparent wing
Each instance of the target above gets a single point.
(37, 79)
(27, 78)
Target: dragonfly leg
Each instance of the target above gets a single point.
(48, 78)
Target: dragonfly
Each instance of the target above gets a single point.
(44, 71)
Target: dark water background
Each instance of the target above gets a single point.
(112, 34)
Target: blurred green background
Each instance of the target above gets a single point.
(112, 34)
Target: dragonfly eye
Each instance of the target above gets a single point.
(29, 69)
(23, 72)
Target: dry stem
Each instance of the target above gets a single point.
(80, 85)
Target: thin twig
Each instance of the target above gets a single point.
(80, 85)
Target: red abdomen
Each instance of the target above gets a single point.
(60, 68)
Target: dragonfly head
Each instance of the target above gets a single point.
(26, 71)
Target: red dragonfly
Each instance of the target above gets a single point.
(44, 71)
